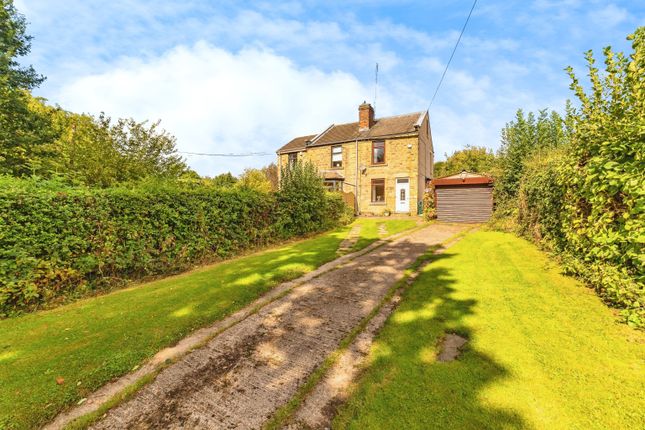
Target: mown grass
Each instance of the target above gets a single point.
(92, 341)
(370, 227)
(543, 351)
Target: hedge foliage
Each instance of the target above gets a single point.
(587, 198)
(60, 242)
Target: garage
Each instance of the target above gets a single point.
(465, 197)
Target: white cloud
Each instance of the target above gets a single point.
(609, 16)
(267, 73)
(217, 101)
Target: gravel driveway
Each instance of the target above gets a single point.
(244, 374)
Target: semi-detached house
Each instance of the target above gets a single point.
(385, 163)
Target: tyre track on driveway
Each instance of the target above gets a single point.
(242, 376)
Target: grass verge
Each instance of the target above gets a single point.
(51, 359)
(543, 351)
(370, 229)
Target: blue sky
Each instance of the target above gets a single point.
(226, 76)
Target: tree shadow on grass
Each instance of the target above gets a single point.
(406, 387)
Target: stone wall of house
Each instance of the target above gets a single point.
(402, 160)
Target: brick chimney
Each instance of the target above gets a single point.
(365, 116)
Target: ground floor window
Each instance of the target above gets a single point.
(378, 190)
(333, 184)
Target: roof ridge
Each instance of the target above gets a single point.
(385, 117)
(401, 114)
(319, 135)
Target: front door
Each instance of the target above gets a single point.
(403, 195)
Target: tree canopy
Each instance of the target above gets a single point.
(23, 133)
(521, 138)
(476, 159)
(46, 141)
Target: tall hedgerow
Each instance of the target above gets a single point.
(59, 242)
(604, 179)
(586, 199)
(541, 199)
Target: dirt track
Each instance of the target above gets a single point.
(243, 375)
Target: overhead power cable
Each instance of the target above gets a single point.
(453, 54)
(230, 154)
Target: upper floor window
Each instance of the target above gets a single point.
(337, 156)
(293, 158)
(378, 152)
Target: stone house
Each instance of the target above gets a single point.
(385, 163)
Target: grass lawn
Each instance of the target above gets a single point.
(370, 226)
(543, 351)
(89, 342)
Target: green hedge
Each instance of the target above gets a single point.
(58, 243)
(540, 200)
(602, 249)
(585, 197)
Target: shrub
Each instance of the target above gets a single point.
(604, 210)
(60, 242)
(540, 200)
(337, 212)
(301, 200)
(429, 207)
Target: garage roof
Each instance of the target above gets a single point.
(463, 178)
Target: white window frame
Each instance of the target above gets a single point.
(337, 156)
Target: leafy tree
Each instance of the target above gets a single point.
(22, 131)
(271, 173)
(440, 168)
(98, 152)
(255, 179)
(82, 152)
(223, 180)
(521, 138)
(143, 150)
(15, 43)
(476, 159)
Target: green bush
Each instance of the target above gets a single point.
(604, 202)
(540, 199)
(60, 242)
(336, 210)
(301, 200)
(585, 199)
(429, 206)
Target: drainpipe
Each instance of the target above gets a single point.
(358, 181)
(279, 168)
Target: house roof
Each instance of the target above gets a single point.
(340, 133)
(296, 144)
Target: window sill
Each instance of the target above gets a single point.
(377, 203)
(336, 168)
(379, 165)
